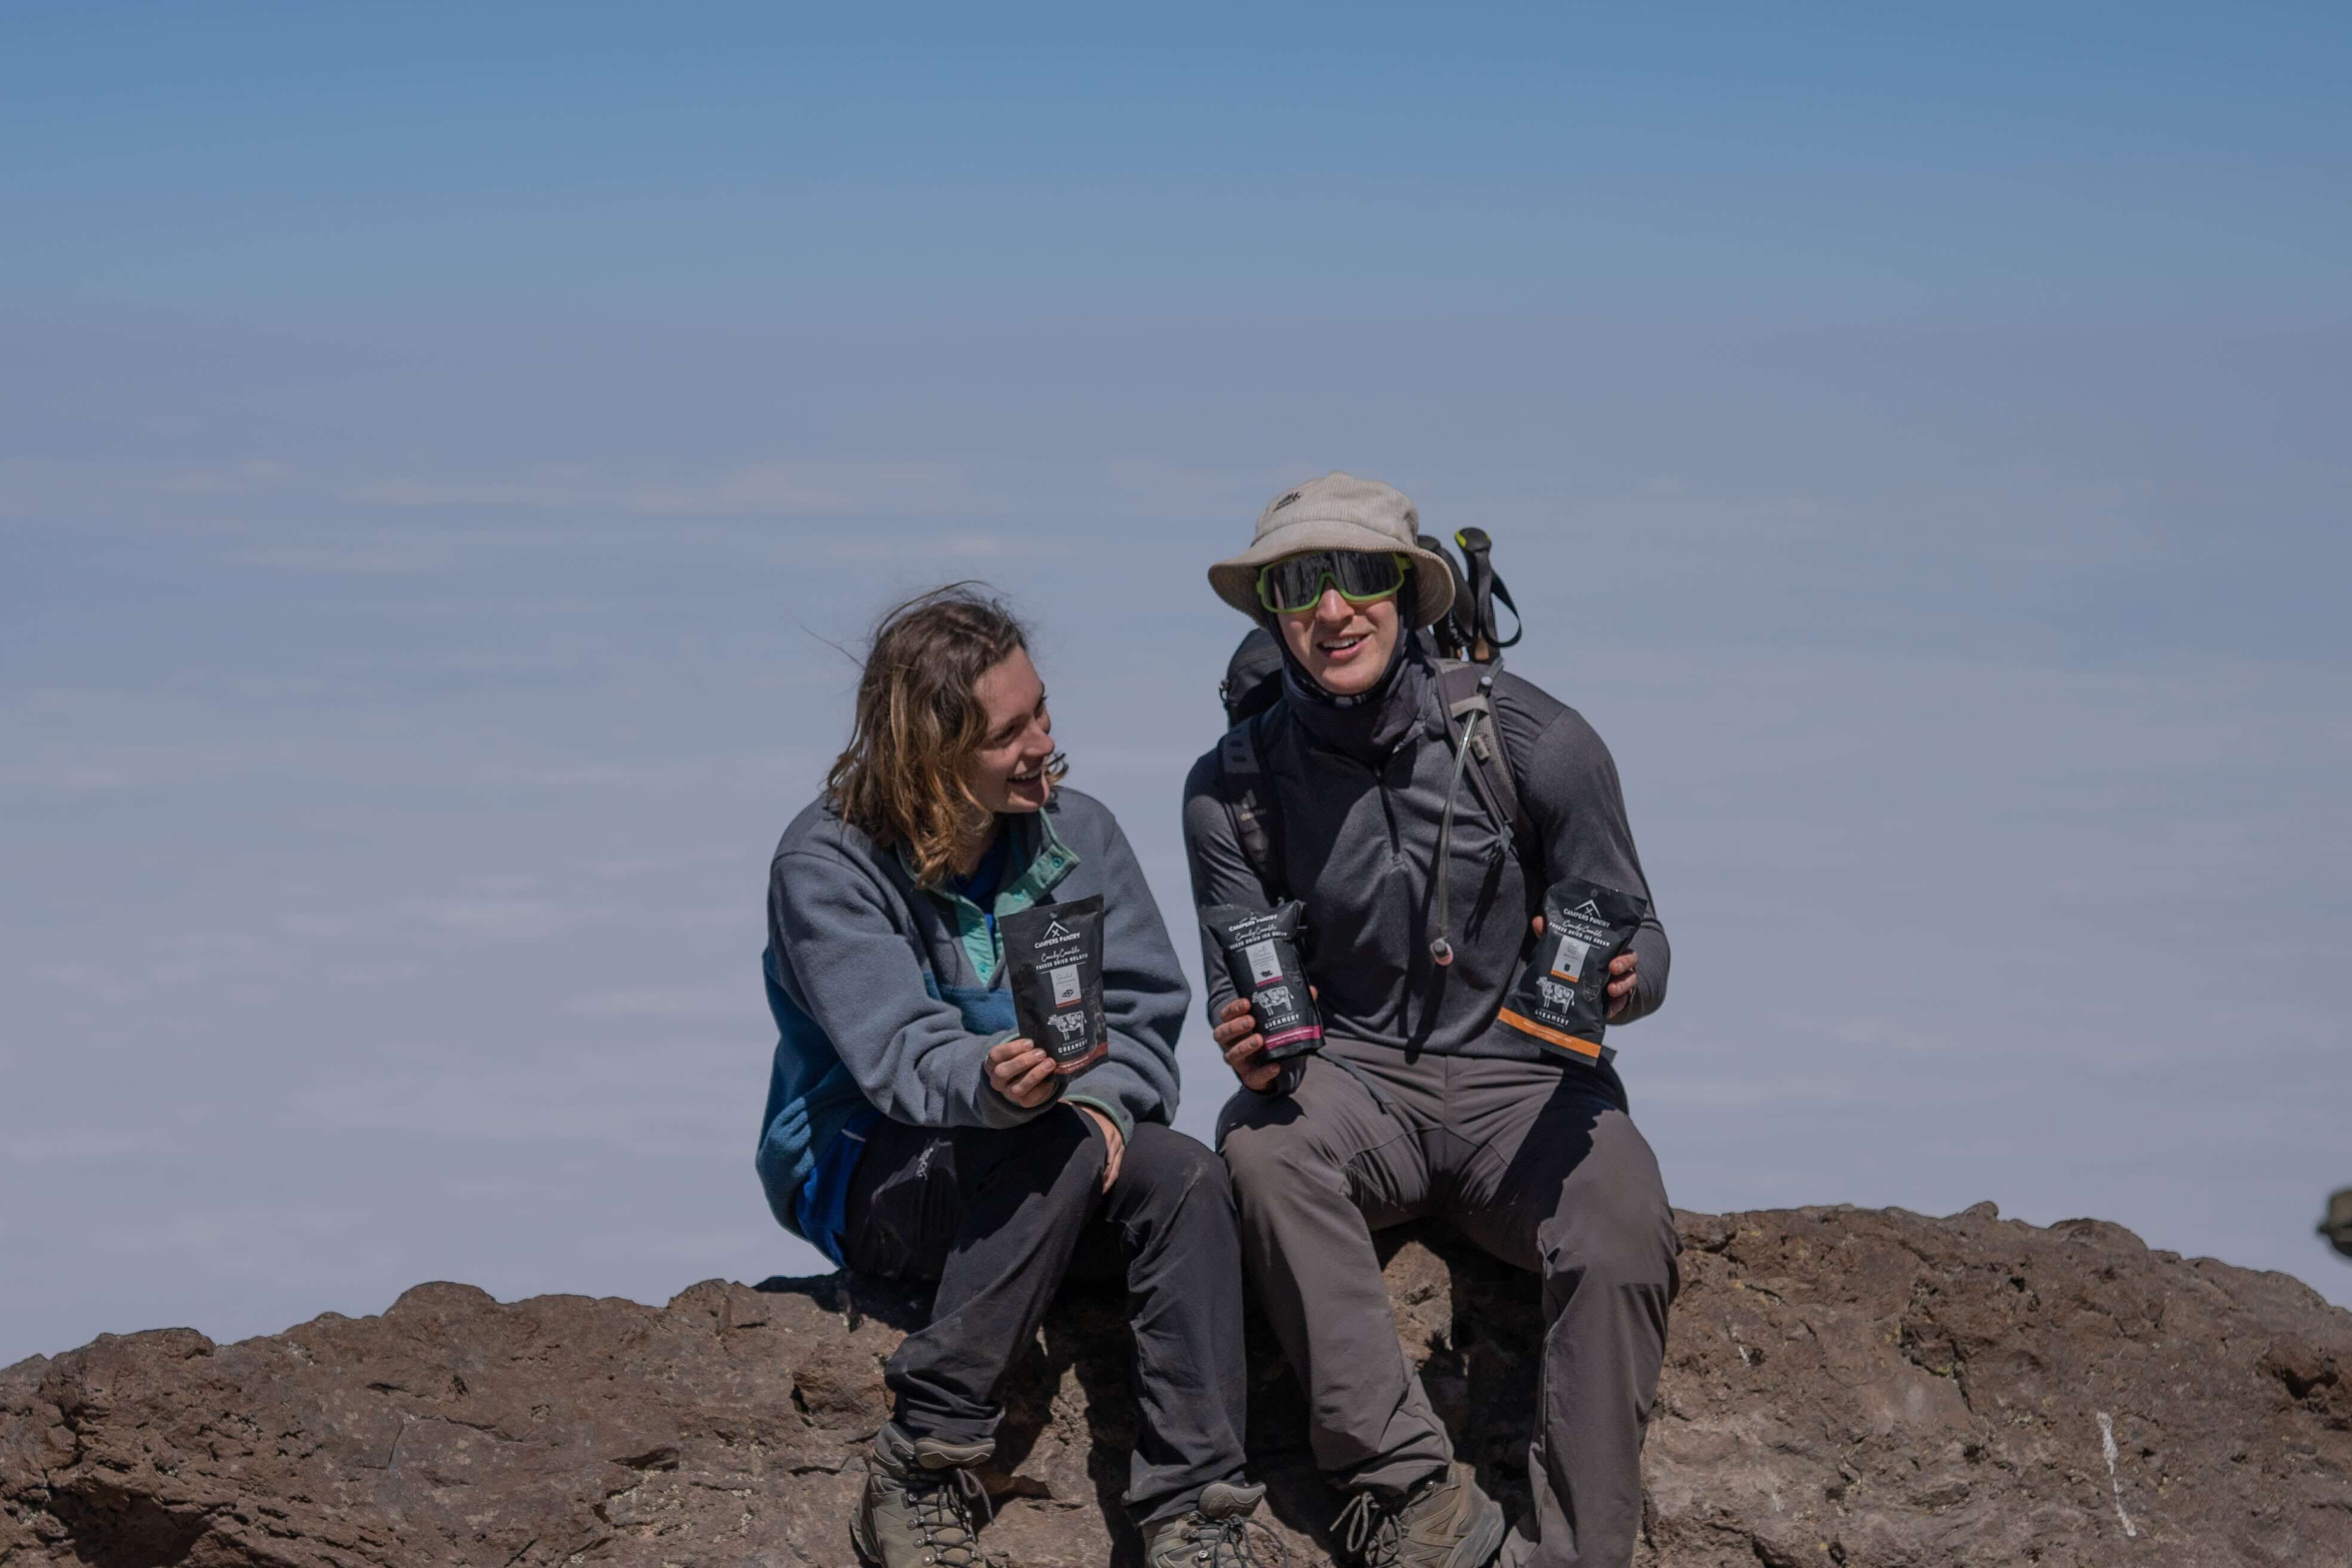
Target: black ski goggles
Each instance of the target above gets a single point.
(1295, 583)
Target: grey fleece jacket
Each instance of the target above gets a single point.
(875, 984)
(1356, 794)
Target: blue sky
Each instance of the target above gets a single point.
(710, 160)
(438, 446)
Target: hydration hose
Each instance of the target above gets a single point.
(1380, 1096)
(1439, 948)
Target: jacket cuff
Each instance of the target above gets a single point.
(1109, 1107)
(1116, 1090)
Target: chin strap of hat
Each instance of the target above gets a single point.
(1439, 948)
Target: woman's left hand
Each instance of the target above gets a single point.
(1111, 1136)
(1021, 1072)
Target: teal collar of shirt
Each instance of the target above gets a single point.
(1045, 860)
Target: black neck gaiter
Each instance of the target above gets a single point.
(1370, 724)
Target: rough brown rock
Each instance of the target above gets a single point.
(1843, 1387)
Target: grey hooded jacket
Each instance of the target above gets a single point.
(875, 984)
(1357, 792)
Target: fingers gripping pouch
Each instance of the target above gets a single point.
(1055, 956)
(1261, 951)
(1562, 998)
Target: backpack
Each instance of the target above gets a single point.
(1464, 645)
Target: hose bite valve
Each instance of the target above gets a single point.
(1442, 951)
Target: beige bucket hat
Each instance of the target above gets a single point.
(1337, 511)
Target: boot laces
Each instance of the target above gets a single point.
(1233, 1543)
(1369, 1532)
(943, 1503)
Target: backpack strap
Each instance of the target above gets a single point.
(1250, 801)
(1464, 696)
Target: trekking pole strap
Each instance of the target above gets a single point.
(1495, 628)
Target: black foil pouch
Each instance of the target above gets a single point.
(1055, 955)
(1562, 999)
(1261, 949)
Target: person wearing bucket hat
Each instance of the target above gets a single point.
(1420, 1102)
(1344, 515)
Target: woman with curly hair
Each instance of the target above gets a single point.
(911, 1133)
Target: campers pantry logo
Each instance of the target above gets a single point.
(1254, 927)
(1069, 988)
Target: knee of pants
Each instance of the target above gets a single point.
(1055, 1152)
(1274, 1158)
(1174, 1168)
(1168, 1155)
(1619, 1232)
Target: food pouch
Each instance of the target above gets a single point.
(1562, 999)
(1055, 956)
(1261, 949)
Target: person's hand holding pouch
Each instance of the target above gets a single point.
(1021, 1073)
(1245, 1048)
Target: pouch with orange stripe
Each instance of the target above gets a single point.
(1562, 998)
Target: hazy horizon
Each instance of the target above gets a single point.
(439, 465)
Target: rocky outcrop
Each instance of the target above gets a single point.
(1843, 1387)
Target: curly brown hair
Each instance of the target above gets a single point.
(901, 780)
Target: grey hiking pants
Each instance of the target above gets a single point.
(1000, 1218)
(1533, 1163)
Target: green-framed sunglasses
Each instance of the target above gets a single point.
(1295, 583)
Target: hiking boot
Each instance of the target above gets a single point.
(1444, 1522)
(1216, 1533)
(923, 1505)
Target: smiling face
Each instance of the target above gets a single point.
(1344, 648)
(1008, 772)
